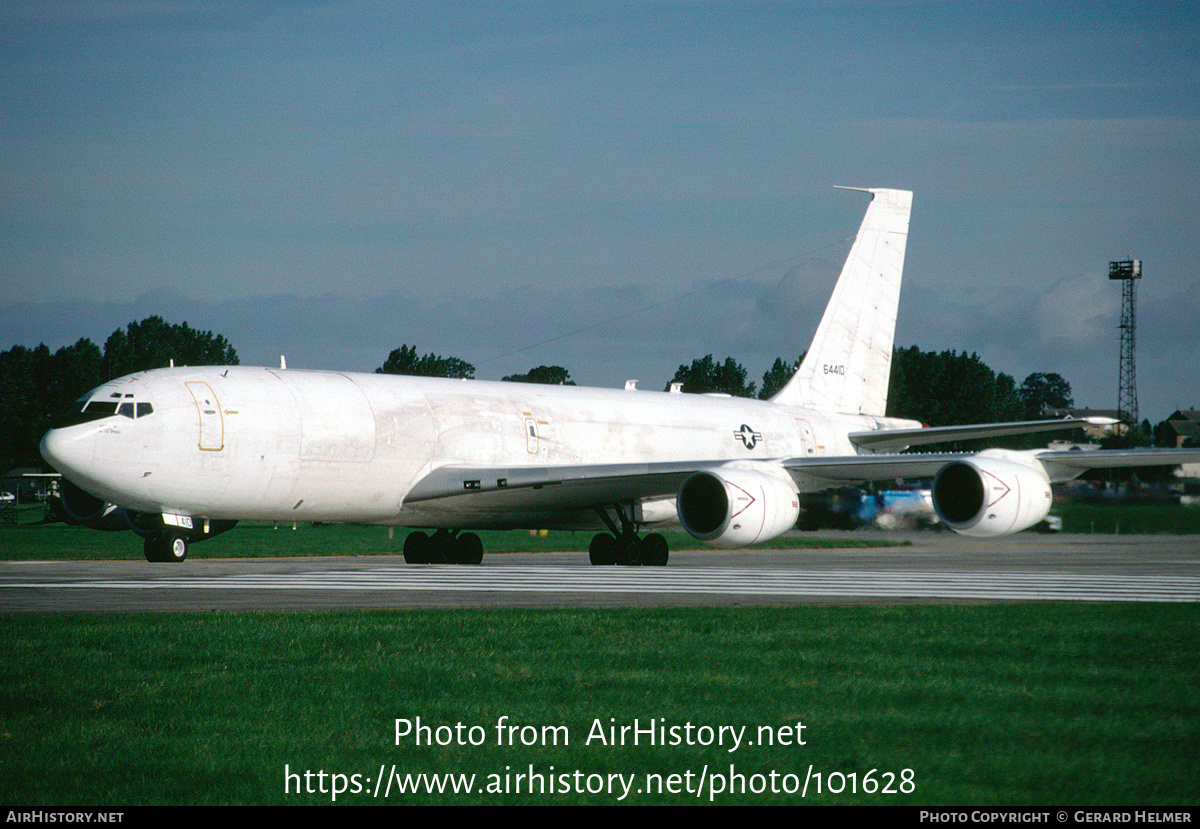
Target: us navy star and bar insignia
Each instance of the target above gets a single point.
(748, 436)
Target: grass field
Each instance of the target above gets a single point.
(1035, 705)
(990, 706)
(1129, 519)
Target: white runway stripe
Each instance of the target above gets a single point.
(790, 583)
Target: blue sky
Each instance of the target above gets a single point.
(616, 188)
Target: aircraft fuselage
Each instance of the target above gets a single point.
(247, 443)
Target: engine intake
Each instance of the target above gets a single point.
(737, 507)
(990, 495)
(75, 506)
(78, 507)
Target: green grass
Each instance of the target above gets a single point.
(31, 540)
(1129, 519)
(1035, 705)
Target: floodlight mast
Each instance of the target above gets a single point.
(1128, 271)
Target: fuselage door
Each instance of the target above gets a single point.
(212, 422)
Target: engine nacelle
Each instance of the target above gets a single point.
(737, 507)
(78, 507)
(992, 494)
(75, 506)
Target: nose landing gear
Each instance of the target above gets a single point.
(167, 545)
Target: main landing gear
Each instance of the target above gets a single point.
(627, 548)
(443, 547)
(623, 546)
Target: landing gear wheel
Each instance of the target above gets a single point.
(603, 549)
(654, 550)
(175, 546)
(417, 548)
(165, 546)
(443, 547)
(629, 551)
(468, 549)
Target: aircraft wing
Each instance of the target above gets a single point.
(586, 486)
(495, 496)
(555, 487)
(1060, 466)
(582, 487)
(589, 485)
(901, 438)
(1066, 465)
(843, 470)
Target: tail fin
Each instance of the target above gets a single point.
(848, 365)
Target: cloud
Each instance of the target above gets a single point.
(1070, 317)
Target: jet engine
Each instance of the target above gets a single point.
(737, 507)
(994, 493)
(77, 507)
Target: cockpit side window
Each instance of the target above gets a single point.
(95, 408)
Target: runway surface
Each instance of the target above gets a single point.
(936, 567)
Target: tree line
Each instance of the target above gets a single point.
(937, 388)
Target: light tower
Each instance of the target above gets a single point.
(1128, 271)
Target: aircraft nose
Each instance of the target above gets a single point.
(69, 454)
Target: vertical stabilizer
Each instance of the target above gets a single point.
(848, 365)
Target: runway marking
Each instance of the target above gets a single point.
(754, 582)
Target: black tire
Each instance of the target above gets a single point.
(655, 551)
(165, 546)
(603, 549)
(443, 548)
(152, 547)
(629, 551)
(417, 548)
(469, 549)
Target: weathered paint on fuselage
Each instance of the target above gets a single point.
(269, 444)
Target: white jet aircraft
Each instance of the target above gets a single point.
(181, 454)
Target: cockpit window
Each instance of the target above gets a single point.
(87, 410)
